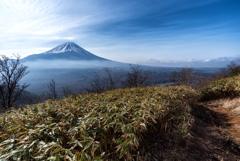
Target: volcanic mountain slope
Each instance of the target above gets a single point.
(66, 51)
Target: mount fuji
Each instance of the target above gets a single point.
(66, 51)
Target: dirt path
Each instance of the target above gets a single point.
(231, 108)
(216, 131)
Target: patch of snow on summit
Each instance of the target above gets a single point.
(68, 47)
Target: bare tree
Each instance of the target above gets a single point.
(185, 77)
(110, 81)
(67, 91)
(96, 85)
(174, 77)
(136, 77)
(52, 87)
(196, 80)
(11, 72)
(231, 69)
(220, 73)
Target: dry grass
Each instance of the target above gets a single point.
(226, 104)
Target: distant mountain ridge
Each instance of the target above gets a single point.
(212, 63)
(65, 51)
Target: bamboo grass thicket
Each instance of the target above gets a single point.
(227, 87)
(106, 126)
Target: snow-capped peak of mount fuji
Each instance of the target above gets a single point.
(68, 47)
(66, 51)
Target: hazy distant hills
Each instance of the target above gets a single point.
(66, 51)
(211, 63)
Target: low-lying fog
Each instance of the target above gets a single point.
(72, 64)
(76, 74)
(71, 74)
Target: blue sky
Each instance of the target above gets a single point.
(131, 31)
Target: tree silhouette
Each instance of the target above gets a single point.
(135, 77)
(11, 72)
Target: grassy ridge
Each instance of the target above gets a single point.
(228, 87)
(103, 126)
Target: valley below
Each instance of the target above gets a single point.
(77, 78)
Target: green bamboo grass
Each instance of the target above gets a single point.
(106, 126)
(228, 87)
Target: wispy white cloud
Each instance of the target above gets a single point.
(30, 23)
(35, 17)
(21, 17)
(122, 30)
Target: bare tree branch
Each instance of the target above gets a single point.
(110, 81)
(99, 85)
(184, 77)
(11, 72)
(231, 69)
(67, 91)
(188, 77)
(52, 87)
(136, 77)
(96, 85)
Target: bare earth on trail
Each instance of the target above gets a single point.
(216, 131)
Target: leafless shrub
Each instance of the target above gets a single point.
(231, 69)
(96, 85)
(67, 91)
(110, 81)
(11, 72)
(135, 77)
(202, 81)
(220, 73)
(99, 85)
(187, 76)
(184, 77)
(52, 88)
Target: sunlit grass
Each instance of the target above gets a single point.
(228, 87)
(94, 126)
